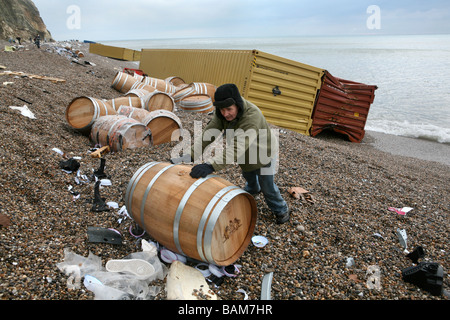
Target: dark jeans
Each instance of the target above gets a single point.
(257, 182)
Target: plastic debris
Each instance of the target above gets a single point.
(187, 283)
(402, 237)
(25, 111)
(76, 267)
(374, 279)
(259, 241)
(99, 204)
(300, 193)
(266, 287)
(138, 267)
(70, 165)
(427, 275)
(245, 293)
(170, 256)
(103, 235)
(416, 254)
(100, 172)
(403, 211)
(350, 262)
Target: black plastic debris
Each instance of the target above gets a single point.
(99, 204)
(100, 172)
(103, 235)
(69, 165)
(427, 275)
(416, 254)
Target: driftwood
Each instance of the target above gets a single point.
(31, 76)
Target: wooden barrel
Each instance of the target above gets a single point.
(208, 219)
(142, 86)
(123, 82)
(126, 101)
(204, 88)
(132, 112)
(164, 125)
(159, 101)
(140, 93)
(197, 103)
(176, 81)
(159, 84)
(82, 112)
(138, 77)
(183, 93)
(120, 133)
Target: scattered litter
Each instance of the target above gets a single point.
(123, 214)
(99, 204)
(204, 269)
(32, 76)
(427, 275)
(245, 293)
(149, 247)
(58, 151)
(300, 193)
(378, 235)
(416, 254)
(266, 287)
(402, 237)
(169, 256)
(76, 267)
(70, 165)
(138, 267)
(25, 111)
(136, 231)
(350, 262)
(374, 279)
(259, 241)
(103, 235)
(403, 211)
(100, 172)
(112, 204)
(99, 152)
(187, 283)
(6, 83)
(120, 284)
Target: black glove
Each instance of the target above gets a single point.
(201, 170)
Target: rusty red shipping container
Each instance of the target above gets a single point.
(342, 106)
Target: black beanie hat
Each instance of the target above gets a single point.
(227, 95)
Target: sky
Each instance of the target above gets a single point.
(104, 20)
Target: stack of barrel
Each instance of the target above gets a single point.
(143, 115)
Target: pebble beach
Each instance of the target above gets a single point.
(346, 217)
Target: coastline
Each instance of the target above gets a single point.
(353, 186)
(410, 147)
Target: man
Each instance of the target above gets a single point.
(252, 147)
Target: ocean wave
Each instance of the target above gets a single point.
(412, 130)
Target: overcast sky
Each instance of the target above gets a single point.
(101, 20)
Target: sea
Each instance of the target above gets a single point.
(412, 72)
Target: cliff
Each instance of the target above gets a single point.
(21, 18)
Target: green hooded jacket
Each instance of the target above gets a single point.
(249, 140)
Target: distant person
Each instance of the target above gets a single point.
(19, 39)
(37, 41)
